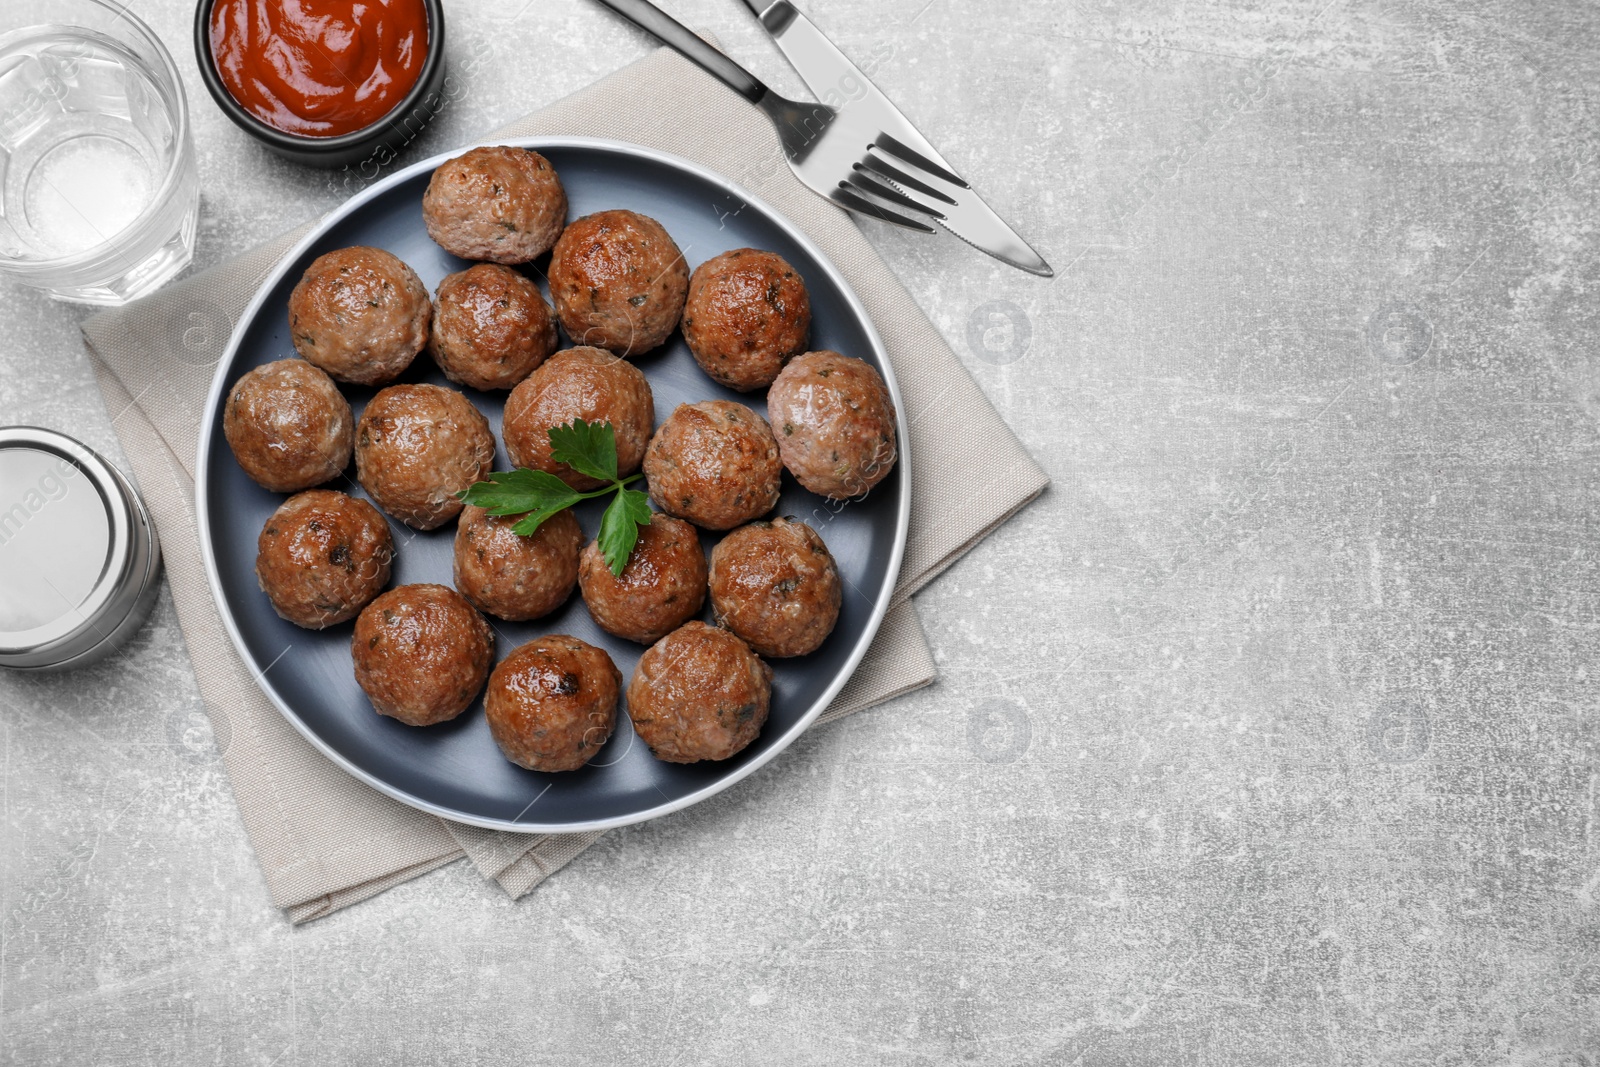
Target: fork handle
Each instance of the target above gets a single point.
(653, 20)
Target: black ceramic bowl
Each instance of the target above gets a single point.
(377, 143)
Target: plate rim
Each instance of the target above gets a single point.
(253, 309)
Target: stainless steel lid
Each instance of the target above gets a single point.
(78, 553)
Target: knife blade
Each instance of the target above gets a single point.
(839, 83)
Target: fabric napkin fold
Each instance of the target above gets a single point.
(326, 840)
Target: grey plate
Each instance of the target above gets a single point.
(455, 770)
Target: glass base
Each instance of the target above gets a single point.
(157, 269)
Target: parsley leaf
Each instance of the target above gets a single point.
(529, 524)
(521, 490)
(587, 447)
(619, 527)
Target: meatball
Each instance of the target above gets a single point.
(501, 204)
(714, 463)
(552, 703)
(663, 584)
(360, 314)
(322, 557)
(835, 424)
(748, 314)
(775, 584)
(417, 446)
(288, 425)
(490, 328)
(618, 282)
(579, 383)
(699, 693)
(422, 653)
(514, 577)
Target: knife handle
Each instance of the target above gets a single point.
(775, 15)
(671, 32)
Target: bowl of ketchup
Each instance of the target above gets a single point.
(329, 83)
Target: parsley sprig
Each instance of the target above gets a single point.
(590, 448)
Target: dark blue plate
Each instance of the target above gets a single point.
(455, 770)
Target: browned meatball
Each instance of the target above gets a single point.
(580, 383)
(835, 424)
(288, 425)
(748, 314)
(699, 693)
(417, 446)
(514, 577)
(714, 463)
(491, 327)
(422, 653)
(322, 557)
(553, 703)
(502, 204)
(360, 314)
(775, 585)
(663, 584)
(618, 282)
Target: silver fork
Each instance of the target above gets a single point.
(832, 152)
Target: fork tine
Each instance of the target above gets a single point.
(900, 177)
(910, 155)
(878, 188)
(844, 196)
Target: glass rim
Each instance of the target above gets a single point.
(182, 152)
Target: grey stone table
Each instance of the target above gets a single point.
(1267, 736)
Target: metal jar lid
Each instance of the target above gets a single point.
(79, 559)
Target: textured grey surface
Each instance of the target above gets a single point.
(1266, 737)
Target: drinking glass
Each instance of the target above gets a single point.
(99, 193)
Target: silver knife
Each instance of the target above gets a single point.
(836, 81)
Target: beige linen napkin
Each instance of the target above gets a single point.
(326, 840)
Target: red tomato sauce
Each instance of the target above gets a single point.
(319, 68)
